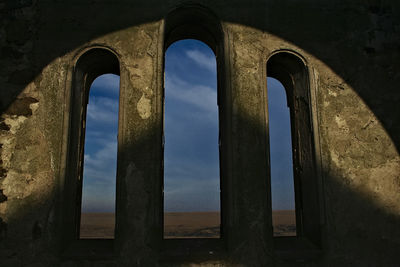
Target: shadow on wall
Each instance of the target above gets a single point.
(359, 229)
(357, 223)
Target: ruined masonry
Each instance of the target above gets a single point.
(339, 61)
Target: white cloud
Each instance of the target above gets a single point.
(102, 109)
(201, 96)
(98, 164)
(201, 59)
(100, 178)
(189, 184)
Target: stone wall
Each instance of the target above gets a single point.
(351, 50)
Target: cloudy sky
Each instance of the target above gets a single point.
(191, 160)
(100, 160)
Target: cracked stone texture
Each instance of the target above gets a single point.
(352, 52)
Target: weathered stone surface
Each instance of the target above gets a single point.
(2, 196)
(352, 54)
(21, 107)
(3, 127)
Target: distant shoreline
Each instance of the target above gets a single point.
(179, 224)
(111, 212)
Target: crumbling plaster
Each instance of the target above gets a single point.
(350, 50)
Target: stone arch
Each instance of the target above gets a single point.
(292, 71)
(86, 67)
(193, 21)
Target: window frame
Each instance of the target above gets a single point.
(291, 69)
(179, 25)
(199, 23)
(89, 64)
(289, 104)
(219, 178)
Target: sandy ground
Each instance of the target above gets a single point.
(191, 224)
(182, 224)
(284, 222)
(97, 225)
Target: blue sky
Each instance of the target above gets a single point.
(100, 160)
(282, 186)
(191, 160)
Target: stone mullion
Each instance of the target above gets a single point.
(139, 160)
(251, 219)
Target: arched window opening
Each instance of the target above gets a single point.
(191, 150)
(97, 218)
(281, 161)
(290, 70)
(92, 119)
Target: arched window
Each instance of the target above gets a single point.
(92, 136)
(100, 159)
(292, 73)
(196, 22)
(191, 156)
(281, 161)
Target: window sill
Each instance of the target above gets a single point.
(204, 249)
(90, 249)
(296, 249)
